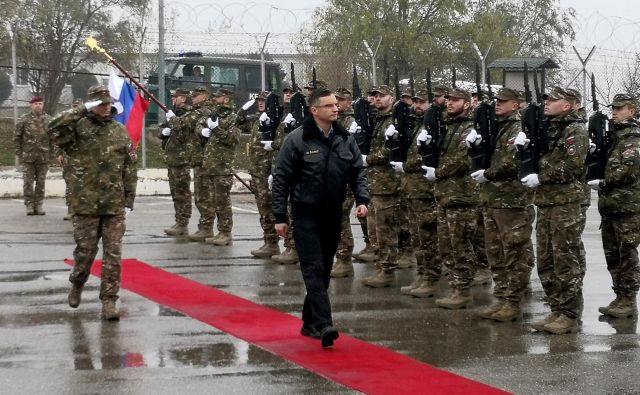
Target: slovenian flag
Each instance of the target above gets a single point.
(130, 104)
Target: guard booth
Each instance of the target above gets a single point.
(513, 71)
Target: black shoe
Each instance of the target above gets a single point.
(308, 330)
(328, 334)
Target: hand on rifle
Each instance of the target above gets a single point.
(596, 185)
(531, 181)
(264, 119)
(289, 120)
(521, 140)
(267, 145)
(354, 128)
(479, 177)
(592, 147)
(364, 161)
(248, 104)
(206, 132)
(213, 123)
(429, 173)
(424, 137)
(169, 114)
(397, 167)
(473, 138)
(166, 132)
(390, 132)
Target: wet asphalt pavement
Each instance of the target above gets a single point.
(47, 347)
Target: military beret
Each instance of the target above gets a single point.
(343, 93)
(622, 99)
(508, 94)
(319, 84)
(223, 92)
(180, 92)
(421, 94)
(198, 90)
(459, 93)
(558, 93)
(99, 92)
(382, 89)
(36, 99)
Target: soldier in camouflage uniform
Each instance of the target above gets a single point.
(176, 142)
(219, 153)
(260, 154)
(201, 108)
(344, 266)
(33, 148)
(422, 207)
(458, 202)
(103, 192)
(508, 214)
(385, 190)
(619, 207)
(560, 189)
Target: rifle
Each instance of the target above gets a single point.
(298, 104)
(435, 127)
(597, 161)
(362, 116)
(533, 127)
(313, 79)
(403, 123)
(453, 77)
(273, 110)
(485, 122)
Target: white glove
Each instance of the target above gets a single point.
(424, 137)
(430, 173)
(592, 148)
(212, 124)
(397, 167)
(521, 139)
(264, 118)
(248, 104)
(479, 177)
(267, 145)
(127, 211)
(169, 114)
(354, 128)
(390, 132)
(473, 138)
(92, 104)
(364, 161)
(595, 184)
(289, 119)
(166, 132)
(206, 132)
(270, 181)
(531, 181)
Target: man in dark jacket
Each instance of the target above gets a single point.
(316, 163)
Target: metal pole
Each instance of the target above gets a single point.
(161, 88)
(14, 66)
(262, 67)
(584, 72)
(144, 129)
(483, 59)
(373, 59)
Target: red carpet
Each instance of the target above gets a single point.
(354, 363)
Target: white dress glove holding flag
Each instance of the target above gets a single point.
(169, 114)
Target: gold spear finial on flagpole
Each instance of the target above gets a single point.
(92, 43)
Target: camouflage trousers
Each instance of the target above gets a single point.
(404, 231)
(201, 193)
(386, 224)
(87, 232)
(69, 177)
(260, 188)
(423, 222)
(371, 226)
(507, 233)
(180, 187)
(34, 177)
(620, 239)
(479, 243)
(558, 251)
(457, 234)
(219, 201)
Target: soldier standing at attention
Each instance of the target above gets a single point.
(508, 214)
(260, 153)
(176, 141)
(219, 153)
(33, 148)
(103, 191)
(385, 188)
(458, 202)
(619, 207)
(201, 107)
(559, 190)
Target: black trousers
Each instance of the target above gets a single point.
(316, 234)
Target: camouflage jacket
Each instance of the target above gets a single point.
(103, 160)
(195, 120)
(220, 149)
(178, 146)
(621, 190)
(454, 185)
(414, 185)
(260, 160)
(31, 141)
(504, 189)
(382, 179)
(346, 118)
(562, 168)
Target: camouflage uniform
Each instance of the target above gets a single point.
(104, 161)
(34, 147)
(508, 215)
(217, 165)
(177, 155)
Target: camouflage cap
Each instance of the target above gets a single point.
(407, 92)
(99, 92)
(286, 87)
(440, 90)
(421, 94)
(223, 92)
(508, 94)
(262, 95)
(622, 99)
(343, 93)
(558, 93)
(575, 93)
(319, 84)
(199, 90)
(382, 89)
(459, 93)
(180, 92)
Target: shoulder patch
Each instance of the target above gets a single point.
(571, 151)
(570, 140)
(511, 141)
